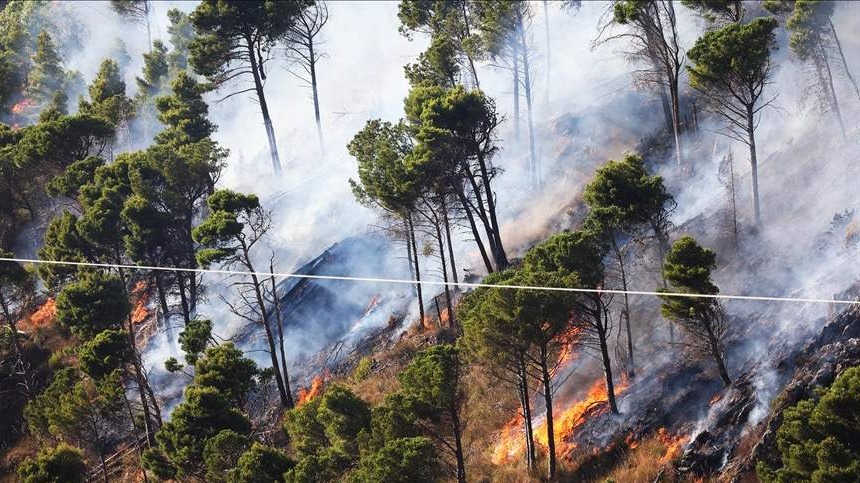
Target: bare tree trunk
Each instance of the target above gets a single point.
(448, 303)
(753, 163)
(313, 71)
(472, 68)
(264, 109)
(548, 45)
(516, 72)
(535, 163)
(186, 311)
(148, 26)
(620, 257)
(284, 370)
(604, 352)
(414, 251)
(475, 232)
(162, 299)
(501, 257)
(547, 397)
(718, 356)
(676, 121)
(458, 446)
(842, 55)
(527, 414)
(834, 101)
(448, 238)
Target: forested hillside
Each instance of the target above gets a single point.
(430, 240)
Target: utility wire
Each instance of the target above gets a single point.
(434, 282)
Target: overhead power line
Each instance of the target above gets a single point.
(401, 281)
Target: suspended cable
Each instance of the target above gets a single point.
(401, 281)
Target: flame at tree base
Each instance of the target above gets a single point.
(512, 438)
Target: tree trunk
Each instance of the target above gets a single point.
(515, 61)
(834, 101)
(527, 86)
(631, 372)
(186, 311)
(548, 46)
(547, 397)
(418, 289)
(472, 68)
(282, 391)
(449, 242)
(10, 321)
(501, 257)
(753, 163)
(527, 414)
(458, 446)
(676, 118)
(448, 303)
(475, 232)
(718, 356)
(284, 370)
(162, 299)
(148, 25)
(842, 56)
(261, 97)
(313, 70)
(104, 465)
(607, 363)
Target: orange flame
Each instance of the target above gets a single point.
(315, 389)
(674, 445)
(41, 317)
(512, 442)
(21, 106)
(140, 311)
(631, 441)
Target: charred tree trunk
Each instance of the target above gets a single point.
(256, 70)
(667, 108)
(547, 397)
